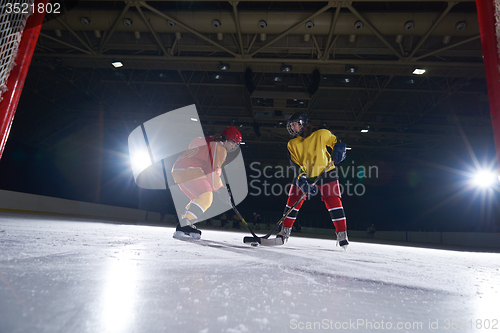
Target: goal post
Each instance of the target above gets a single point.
(488, 12)
(18, 37)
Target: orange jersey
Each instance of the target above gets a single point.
(200, 141)
(203, 160)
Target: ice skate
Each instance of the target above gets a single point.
(342, 239)
(284, 234)
(188, 231)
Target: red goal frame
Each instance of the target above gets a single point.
(17, 75)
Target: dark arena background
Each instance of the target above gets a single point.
(409, 86)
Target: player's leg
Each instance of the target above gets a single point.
(198, 206)
(200, 193)
(331, 196)
(293, 196)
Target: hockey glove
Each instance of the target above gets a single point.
(306, 187)
(339, 152)
(223, 196)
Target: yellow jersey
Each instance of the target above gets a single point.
(310, 153)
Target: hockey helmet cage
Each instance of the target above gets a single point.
(300, 118)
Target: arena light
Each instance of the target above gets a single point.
(484, 179)
(418, 71)
(117, 64)
(286, 68)
(224, 67)
(140, 160)
(351, 69)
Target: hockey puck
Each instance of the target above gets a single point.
(254, 244)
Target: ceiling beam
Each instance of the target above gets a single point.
(66, 44)
(115, 25)
(294, 27)
(372, 100)
(373, 29)
(292, 51)
(324, 65)
(188, 28)
(448, 47)
(277, 94)
(76, 36)
(237, 23)
(431, 29)
(158, 40)
(329, 43)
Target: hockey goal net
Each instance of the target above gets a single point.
(11, 30)
(20, 26)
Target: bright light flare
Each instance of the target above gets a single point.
(140, 160)
(484, 179)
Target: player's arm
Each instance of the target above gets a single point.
(331, 139)
(293, 156)
(219, 156)
(339, 149)
(295, 167)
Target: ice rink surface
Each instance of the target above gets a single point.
(64, 274)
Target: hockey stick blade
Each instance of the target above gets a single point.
(263, 241)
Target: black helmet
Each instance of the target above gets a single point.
(299, 118)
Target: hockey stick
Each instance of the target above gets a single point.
(255, 240)
(280, 222)
(233, 205)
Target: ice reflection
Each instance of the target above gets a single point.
(486, 301)
(119, 295)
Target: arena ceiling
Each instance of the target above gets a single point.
(349, 65)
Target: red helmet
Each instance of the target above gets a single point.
(233, 134)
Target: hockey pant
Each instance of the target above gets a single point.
(330, 195)
(200, 193)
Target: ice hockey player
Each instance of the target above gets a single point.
(309, 156)
(197, 172)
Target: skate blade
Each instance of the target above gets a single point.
(343, 244)
(182, 235)
(195, 235)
